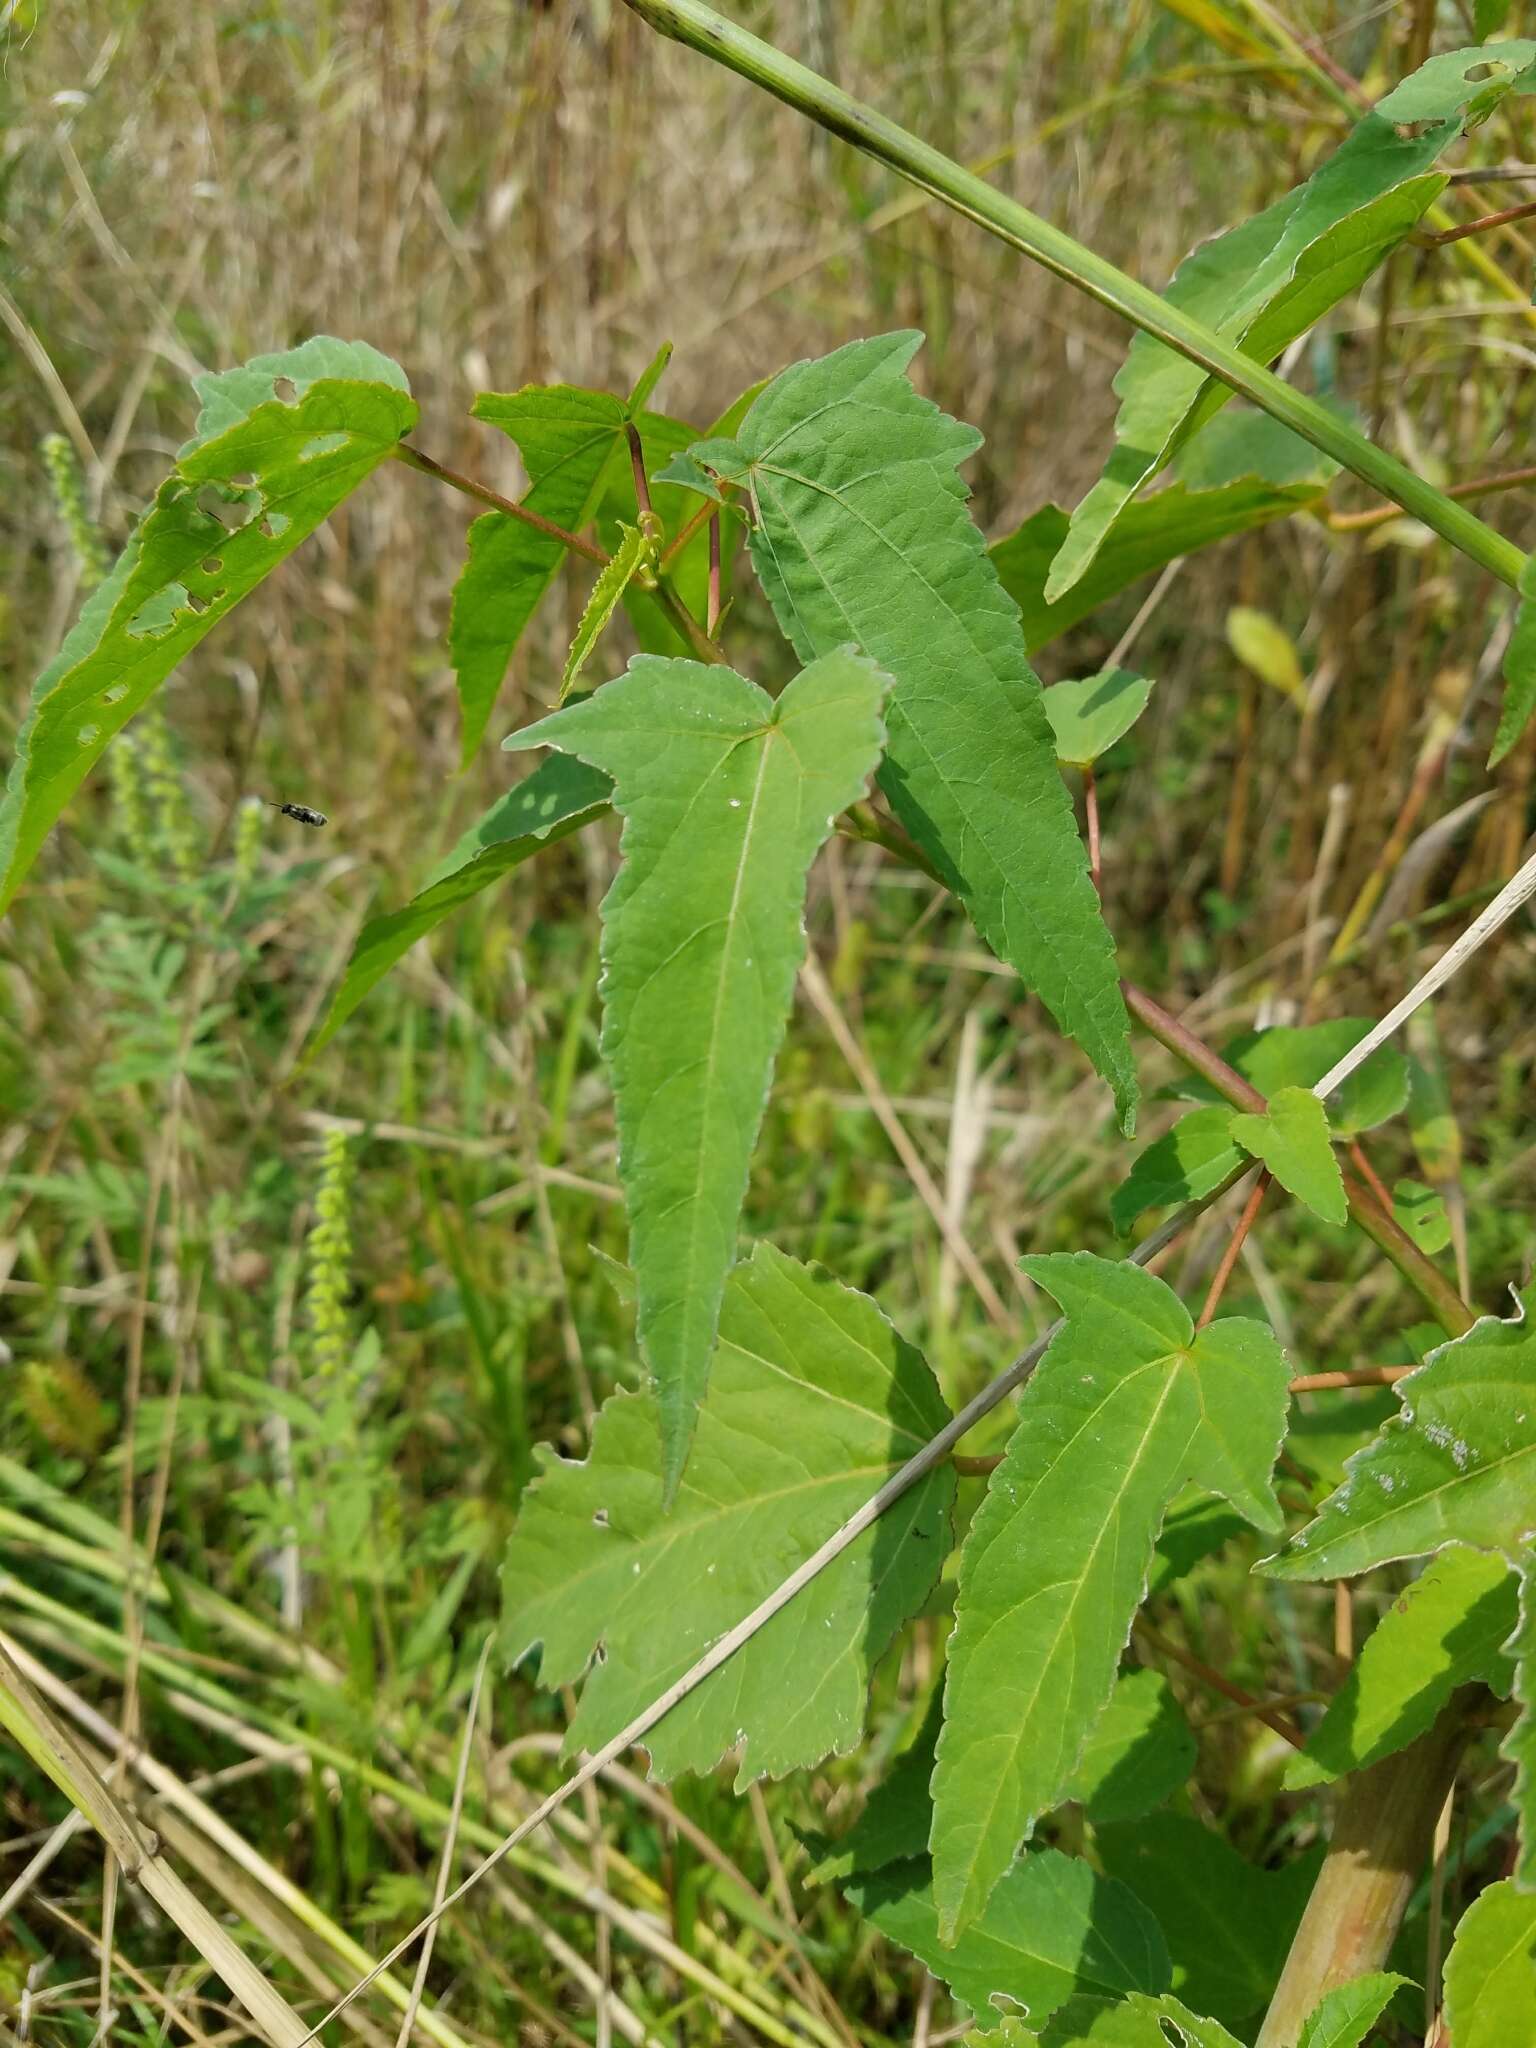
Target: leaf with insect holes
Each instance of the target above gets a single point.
(1087, 717)
(274, 467)
(1490, 1973)
(1519, 671)
(575, 450)
(862, 533)
(813, 1402)
(1421, 1213)
(1291, 1138)
(633, 554)
(1443, 1631)
(1140, 2021)
(1263, 283)
(1128, 1404)
(1228, 1923)
(1185, 1164)
(1298, 1056)
(1053, 1928)
(557, 799)
(1456, 1464)
(726, 796)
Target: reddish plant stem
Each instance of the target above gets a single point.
(1229, 1257)
(1366, 1376)
(1270, 1716)
(1475, 487)
(413, 458)
(1091, 808)
(1378, 1222)
(1479, 226)
(637, 463)
(1368, 1173)
(707, 510)
(712, 605)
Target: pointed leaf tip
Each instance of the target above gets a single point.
(726, 796)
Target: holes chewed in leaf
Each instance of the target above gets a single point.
(88, 735)
(284, 390)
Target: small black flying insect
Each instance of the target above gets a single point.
(301, 812)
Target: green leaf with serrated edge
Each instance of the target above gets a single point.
(1127, 1405)
(726, 795)
(574, 448)
(1184, 1165)
(1292, 1140)
(1265, 282)
(894, 1824)
(1228, 1923)
(1052, 1927)
(1139, 1754)
(344, 410)
(1490, 1973)
(813, 1402)
(623, 566)
(1519, 671)
(1421, 1213)
(558, 798)
(1348, 2012)
(1139, 2021)
(1008, 2033)
(862, 533)
(1087, 717)
(1298, 1056)
(1441, 1632)
(1457, 1463)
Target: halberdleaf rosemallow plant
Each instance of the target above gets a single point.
(772, 1508)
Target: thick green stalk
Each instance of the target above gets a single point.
(701, 28)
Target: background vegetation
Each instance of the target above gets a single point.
(300, 1332)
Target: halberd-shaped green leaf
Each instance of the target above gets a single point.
(1348, 2012)
(1127, 1405)
(277, 466)
(862, 532)
(1053, 1927)
(558, 798)
(1265, 282)
(1297, 1056)
(1228, 1923)
(574, 448)
(1184, 1165)
(1444, 1630)
(1087, 717)
(813, 1402)
(1456, 1464)
(726, 795)
(1291, 1138)
(1490, 1974)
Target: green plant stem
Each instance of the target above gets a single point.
(1381, 1838)
(701, 28)
(1426, 1279)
